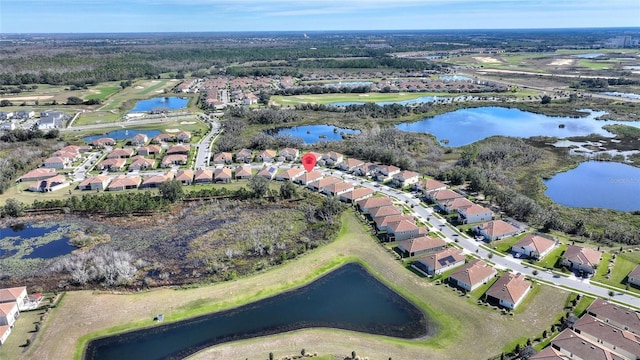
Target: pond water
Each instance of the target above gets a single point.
(588, 56)
(624, 95)
(454, 78)
(315, 133)
(170, 103)
(607, 185)
(27, 236)
(347, 298)
(123, 134)
(466, 126)
(349, 84)
(419, 100)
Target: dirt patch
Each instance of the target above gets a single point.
(486, 60)
(28, 98)
(172, 130)
(139, 87)
(187, 123)
(561, 62)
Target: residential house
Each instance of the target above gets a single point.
(509, 290)
(38, 174)
(289, 154)
(382, 222)
(178, 150)
(177, 159)
(5, 331)
(440, 261)
(223, 175)
(183, 136)
(149, 150)
(24, 114)
(268, 172)
(495, 230)
(368, 169)
(428, 185)
(185, 177)
(203, 176)
(8, 125)
(472, 275)
(120, 154)
(338, 188)
(266, 155)
(139, 140)
(244, 156)
(384, 211)
(103, 142)
(533, 246)
(450, 206)
(438, 196)
(616, 315)
(141, 163)
(243, 172)
(50, 184)
(223, 158)
(6, 115)
(622, 341)
(576, 346)
(350, 164)
(57, 163)
(581, 259)
(290, 174)
(50, 120)
(163, 138)
(9, 313)
(112, 164)
(371, 203)
(474, 214)
(356, 195)
(308, 177)
(98, 182)
(332, 158)
(16, 295)
(386, 172)
(634, 276)
(420, 245)
(319, 185)
(402, 230)
(123, 182)
(406, 178)
(156, 180)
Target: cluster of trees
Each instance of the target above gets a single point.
(371, 110)
(22, 135)
(74, 100)
(102, 266)
(272, 116)
(376, 62)
(600, 83)
(107, 203)
(319, 89)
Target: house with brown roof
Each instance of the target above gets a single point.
(332, 158)
(123, 182)
(386, 172)
(473, 275)
(549, 353)
(56, 162)
(268, 172)
(177, 159)
(38, 174)
(320, 184)
(356, 195)
(420, 245)
(616, 315)
(223, 175)
(288, 154)
(440, 261)
(139, 139)
(223, 158)
(162, 138)
(185, 177)
(112, 164)
(9, 313)
(438, 196)
(178, 150)
(120, 153)
(509, 290)
(450, 206)
(495, 230)
(350, 164)
(266, 156)
(290, 174)
(428, 185)
(50, 184)
(634, 276)
(474, 214)
(368, 169)
(184, 136)
(337, 189)
(624, 342)
(156, 180)
(103, 142)
(403, 230)
(577, 346)
(16, 295)
(203, 176)
(382, 222)
(406, 178)
(308, 177)
(384, 211)
(533, 246)
(141, 163)
(98, 182)
(149, 150)
(581, 259)
(366, 205)
(5, 331)
(243, 172)
(244, 156)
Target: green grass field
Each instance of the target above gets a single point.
(623, 265)
(97, 117)
(103, 91)
(549, 261)
(141, 89)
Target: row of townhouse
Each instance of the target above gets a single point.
(116, 160)
(12, 302)
(605, 331)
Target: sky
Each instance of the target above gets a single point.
(100, 16)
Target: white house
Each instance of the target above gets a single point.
(472, 275)
(533, 246)
(406, 178)
(474, 214)
(509, 290)
(634, 276)
(9, 313)
(440, 261)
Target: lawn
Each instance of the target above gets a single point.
(97, 117)
(141, 89)
(623, 265)
(594, 64)
(504, 245)
(549, 261)
(85, 314)
(102, 91)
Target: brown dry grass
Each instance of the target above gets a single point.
(471, 331)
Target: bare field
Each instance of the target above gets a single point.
(87, 312)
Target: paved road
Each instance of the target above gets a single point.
(203, 148)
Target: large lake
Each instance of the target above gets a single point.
(607, 185)
(466, 126)
(315, 133)
(123, 135)
(348, 298)
(170, 103)
(44, 242)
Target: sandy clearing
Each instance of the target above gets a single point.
(159, 91)
(28, 98)
(187, 123)
(139, 87)
(487, 60)
(365, 95)
(172, 130)
(561, 62)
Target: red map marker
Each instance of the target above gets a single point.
(309, 161)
